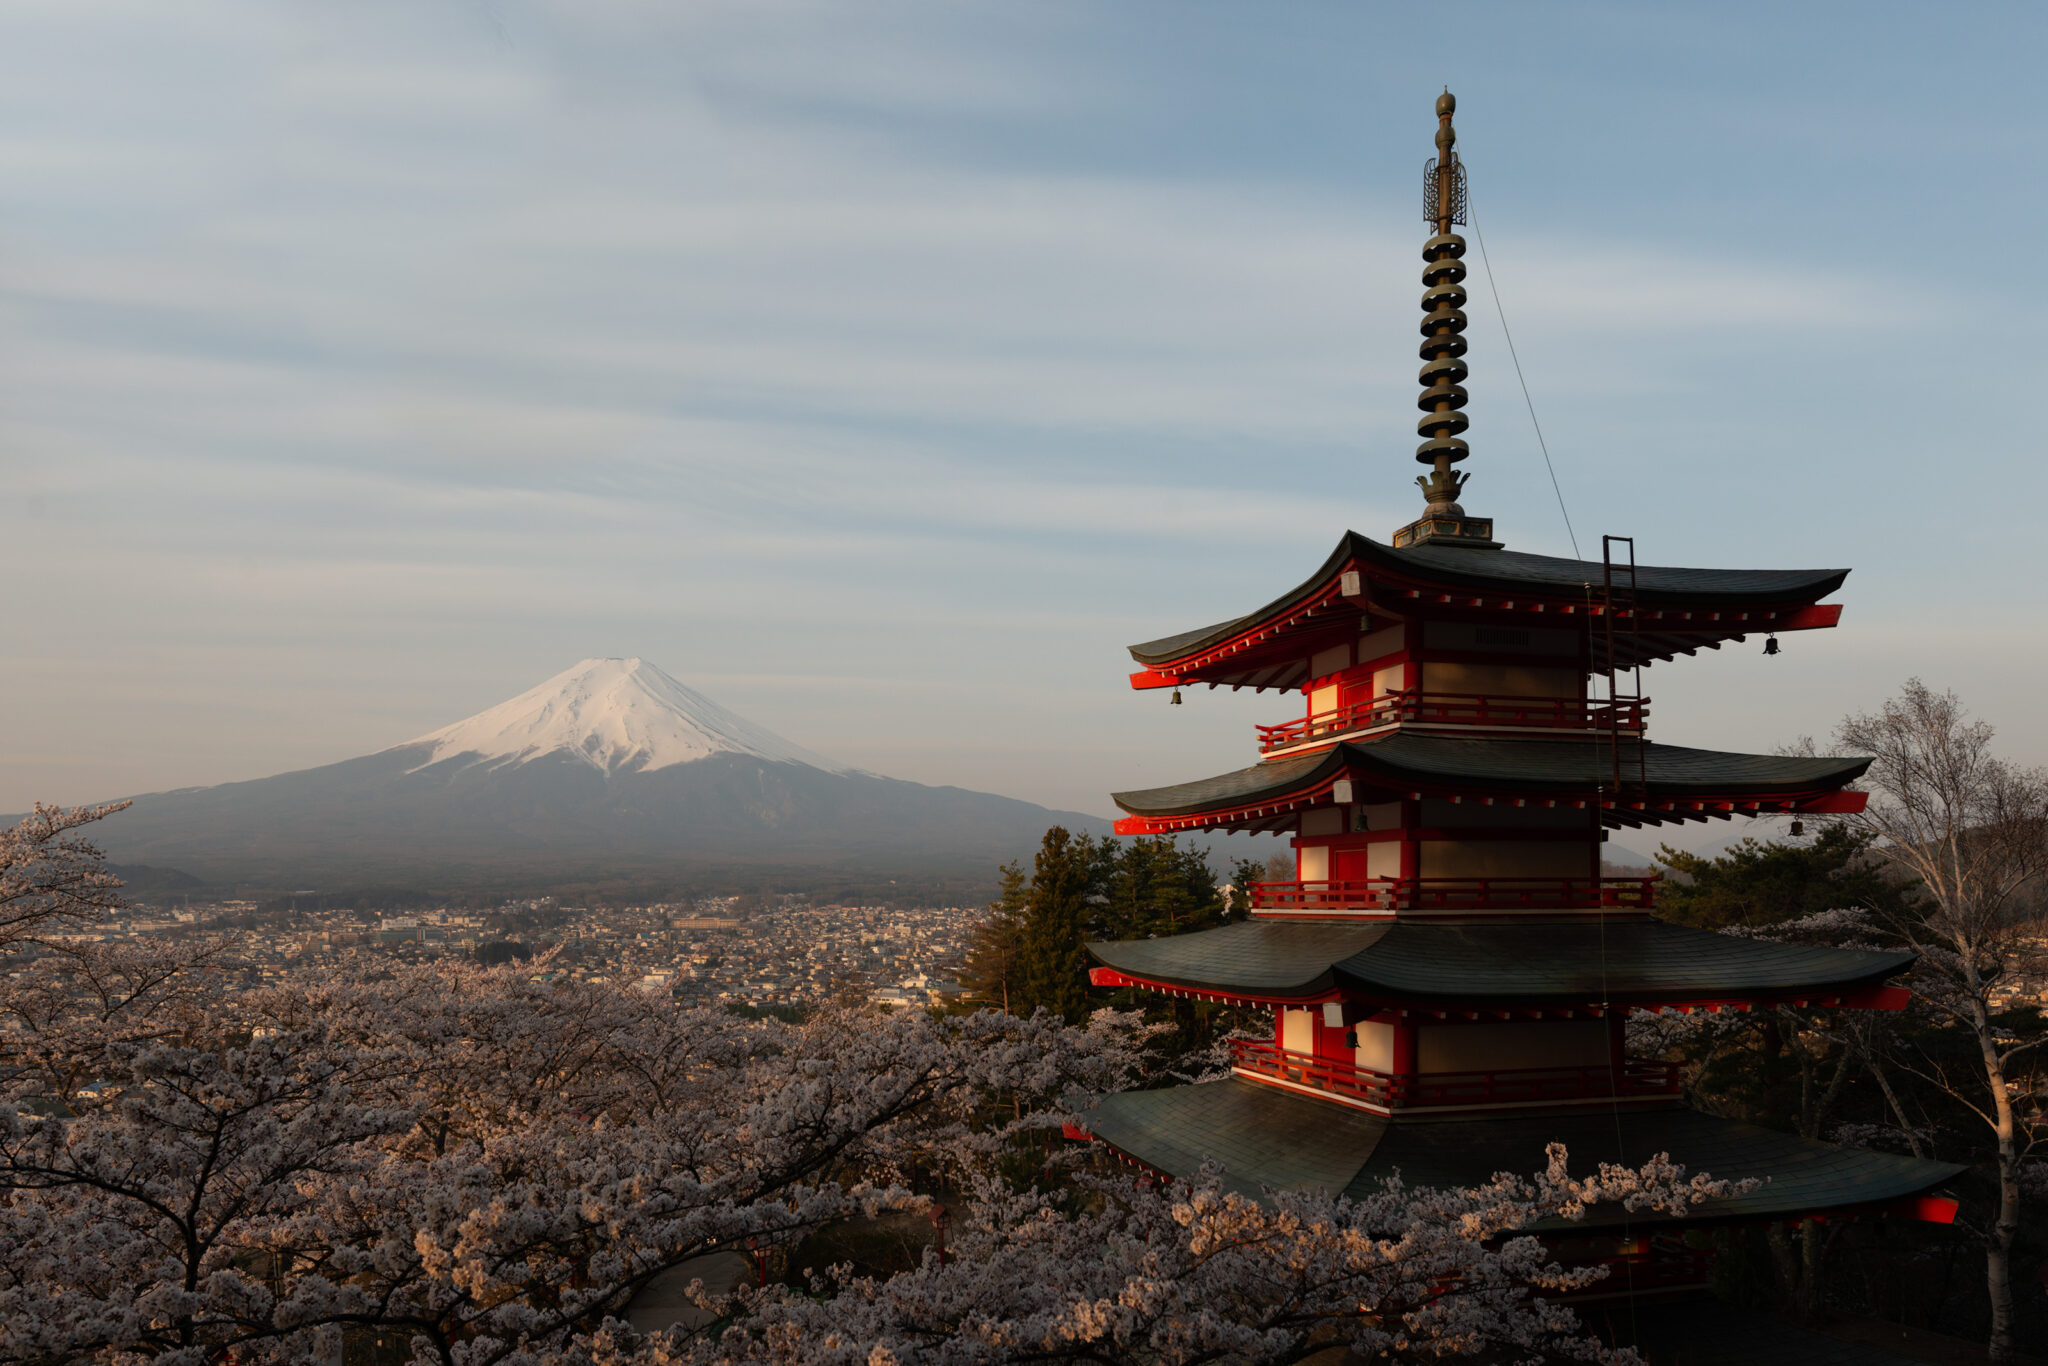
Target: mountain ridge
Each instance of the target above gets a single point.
(610, 769)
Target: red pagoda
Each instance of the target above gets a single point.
(1449, 973)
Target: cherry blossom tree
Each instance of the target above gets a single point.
(52, 880)
(1199, 1272)
(482, 1163)
(491, 1166)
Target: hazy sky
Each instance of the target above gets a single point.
(883, 369)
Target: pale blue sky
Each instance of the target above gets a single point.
(882, 369)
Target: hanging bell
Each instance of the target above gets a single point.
(1770, 645)
(1799, 827)
(1176, 698)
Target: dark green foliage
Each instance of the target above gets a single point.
(995, 952)
(1066, 876)
(1030, 952)
(1758, 882)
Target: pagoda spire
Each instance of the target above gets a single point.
(1443, 395)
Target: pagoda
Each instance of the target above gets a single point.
(1449, 973)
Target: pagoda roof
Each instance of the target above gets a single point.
(1633, 962)
(1679, 610)
(1269, 1138)
(1682, 783)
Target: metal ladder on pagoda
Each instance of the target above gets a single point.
(1626, 775)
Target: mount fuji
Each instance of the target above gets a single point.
(609, 772)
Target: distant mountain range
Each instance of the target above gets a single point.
(609, 771)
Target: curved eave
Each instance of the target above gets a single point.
(1683, 783)
(1680, 610)
(1268, 1139)
(1424, 967)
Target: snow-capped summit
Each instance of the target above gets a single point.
(615, 715)
(608, 773)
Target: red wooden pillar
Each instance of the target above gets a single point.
(1403, 1061)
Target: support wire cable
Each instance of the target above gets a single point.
(1616, 1065)
(1493, 287)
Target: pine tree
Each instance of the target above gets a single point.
(1066, 876)
(1756, 882)
(995, 951)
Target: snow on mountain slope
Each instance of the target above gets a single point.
(613, 714)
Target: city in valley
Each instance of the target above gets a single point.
(763, 952)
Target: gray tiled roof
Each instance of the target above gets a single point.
(1633, 961)
(1267, 1138)
(1552, 767)
(1510, 571)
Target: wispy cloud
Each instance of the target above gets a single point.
(806, 340)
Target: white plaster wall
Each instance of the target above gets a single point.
(1315, 863)
(1505, 858)
(1298, 1030)
(1380, 816)
(1499, 680)
(1376, 1047)
(1323, 820)
(1444, 815)
(1332, 660)
(1383, 859)
(1379, 643)
(1483, 1047)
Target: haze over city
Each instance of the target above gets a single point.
(882, 371)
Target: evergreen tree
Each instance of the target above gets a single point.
(1154, 887)
(995, 951)
(1066, 877)
(1757, 882)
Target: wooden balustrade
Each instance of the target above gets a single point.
(1659, 1262)
(1459, 709)
(1456, 894)
(1498, 1086)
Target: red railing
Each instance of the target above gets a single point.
(1494, 1087)
(1661, 1262)
(1456, 894)
(1459, 709)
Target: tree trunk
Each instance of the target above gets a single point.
(1998, 1250)
(1884, 1085)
